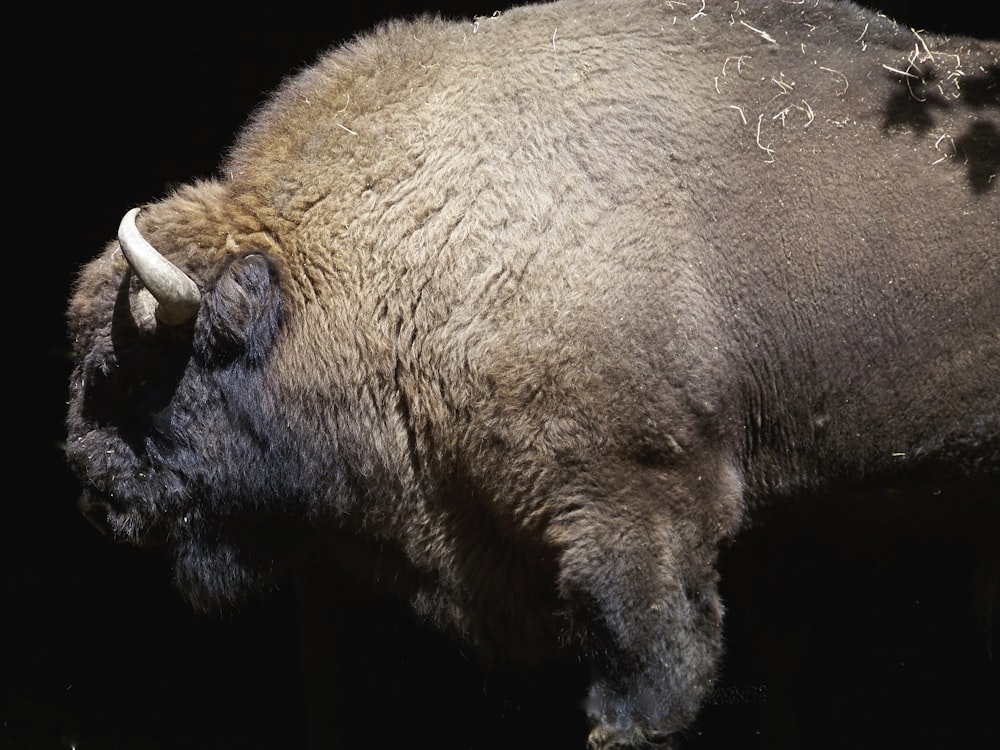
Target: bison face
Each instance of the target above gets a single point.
(170, 427)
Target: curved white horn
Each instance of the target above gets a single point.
(177, 294)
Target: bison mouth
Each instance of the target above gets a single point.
(126, 521)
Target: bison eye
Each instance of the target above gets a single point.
(130, 386)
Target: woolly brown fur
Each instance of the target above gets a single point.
(528, 315)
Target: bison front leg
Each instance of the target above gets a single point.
(639, 580)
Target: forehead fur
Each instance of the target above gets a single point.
(197, 228)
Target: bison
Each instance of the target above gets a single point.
(521, 320)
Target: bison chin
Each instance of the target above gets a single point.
(134, 523)
(219, 577)
(213, 575)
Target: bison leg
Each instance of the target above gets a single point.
(638, 577)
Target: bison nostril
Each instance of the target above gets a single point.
(94, 510)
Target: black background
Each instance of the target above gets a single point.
(877, 645)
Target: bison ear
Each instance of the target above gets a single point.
(239, 317)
